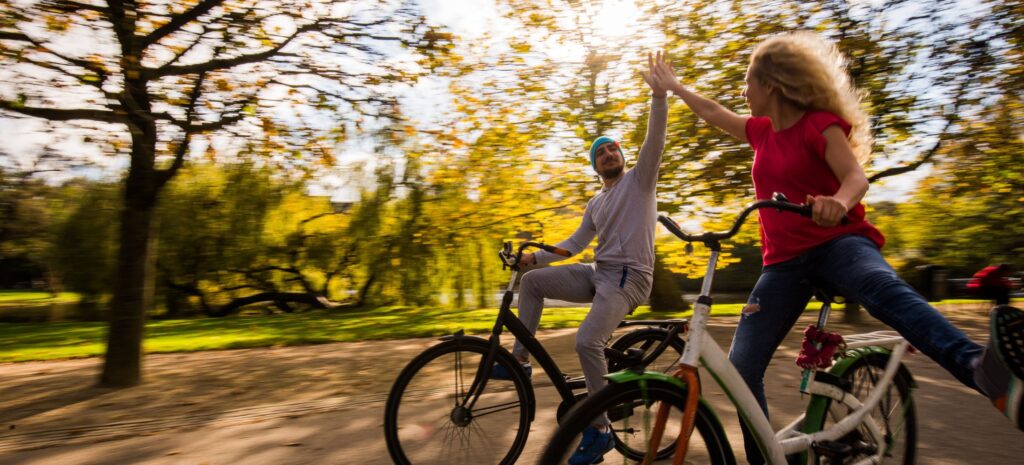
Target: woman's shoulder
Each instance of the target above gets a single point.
(757, 129)
(819, 120)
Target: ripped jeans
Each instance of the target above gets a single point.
(853, 266)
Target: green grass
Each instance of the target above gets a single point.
(35, 298)
(47, 341)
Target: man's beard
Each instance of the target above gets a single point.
(612, 172)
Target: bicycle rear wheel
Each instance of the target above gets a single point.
(426, 421)
(894, 416)
(633, 410)
(649, 339)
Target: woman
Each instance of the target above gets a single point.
(810, 136)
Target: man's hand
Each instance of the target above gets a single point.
(826, 211)
(660, 75)
(655, 78)
(527, 260)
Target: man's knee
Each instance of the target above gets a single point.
(589, 345)
(530, 282)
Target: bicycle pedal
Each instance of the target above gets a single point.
(865, 448)
(834, 451)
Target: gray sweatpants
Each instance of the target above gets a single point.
(614, 290)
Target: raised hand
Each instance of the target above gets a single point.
(660, 74)
(654, 81)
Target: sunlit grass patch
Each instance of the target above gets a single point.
(46, 341)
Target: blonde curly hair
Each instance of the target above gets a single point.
(810, 72)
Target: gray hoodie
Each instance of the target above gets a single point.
(623, 216)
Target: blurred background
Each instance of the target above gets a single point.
(222, 159)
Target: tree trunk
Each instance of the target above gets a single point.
(122, 366)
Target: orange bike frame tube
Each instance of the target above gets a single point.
(689, 375)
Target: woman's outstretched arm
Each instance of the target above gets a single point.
(707, 109)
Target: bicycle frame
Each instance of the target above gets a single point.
(701, 350)
(507, 319)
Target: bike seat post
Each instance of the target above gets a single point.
(826, 309)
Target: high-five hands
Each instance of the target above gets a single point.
(660, 75)
(652, 76)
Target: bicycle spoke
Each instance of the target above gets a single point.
(484, 411)
(427, 421)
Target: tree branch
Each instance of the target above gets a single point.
(18, 36)
(178, 21)
(70, 6)
(916, 163)
(227, 63)
(214, 125)
(957, 103)
(179, 154)
(56, 114)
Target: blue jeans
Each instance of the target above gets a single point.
(853, 266)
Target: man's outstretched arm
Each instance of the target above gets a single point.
(578, 241)
(649, 160)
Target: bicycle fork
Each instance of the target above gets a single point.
(687, 374)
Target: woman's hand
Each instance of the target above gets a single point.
(825, 210)
(661, 73)
(655, 76)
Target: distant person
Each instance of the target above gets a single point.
(993, 283)
(809, 134)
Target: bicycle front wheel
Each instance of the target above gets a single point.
(894, 418)
(633, 410)
(428, 422)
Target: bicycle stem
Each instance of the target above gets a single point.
(701, 313)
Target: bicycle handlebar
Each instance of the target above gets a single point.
(508, 259)
(780, 204)
(544, 247)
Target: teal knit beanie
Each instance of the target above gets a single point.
(599, 142)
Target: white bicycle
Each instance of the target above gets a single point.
(860, 409)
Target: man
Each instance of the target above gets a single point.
(622, 216)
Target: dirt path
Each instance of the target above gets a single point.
(322, 404)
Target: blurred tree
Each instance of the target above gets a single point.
(970, 212)
(85, 241)
(168, 70)
(27, 216)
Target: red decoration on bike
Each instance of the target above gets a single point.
(818, 348)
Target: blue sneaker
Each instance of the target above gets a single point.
(501, 373)
(592, 447)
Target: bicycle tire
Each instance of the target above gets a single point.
(423, 427)
(708, 444)
(895, 412)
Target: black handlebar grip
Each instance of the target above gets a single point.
(556, 250)
(808, 211)
(667, 222)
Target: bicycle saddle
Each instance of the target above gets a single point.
(827, 294)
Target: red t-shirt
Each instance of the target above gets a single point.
(990, 276)
(792, 161)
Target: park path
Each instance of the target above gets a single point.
(323, 405)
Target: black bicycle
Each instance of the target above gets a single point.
(444, 409)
